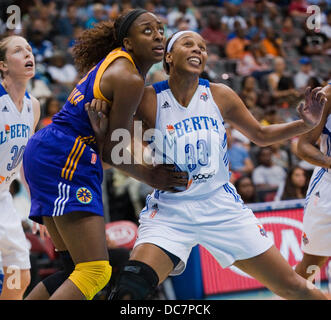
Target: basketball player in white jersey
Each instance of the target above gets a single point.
(316, 236)
(189, 114)
(19, 114)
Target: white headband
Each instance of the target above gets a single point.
(174, 38)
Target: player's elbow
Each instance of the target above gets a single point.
(300, 150)
(260, 138)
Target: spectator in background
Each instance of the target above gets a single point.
(184, 9)
(39, 89)
(239, 159)
(272, 44)
(269, 12)
(286, 95)
(253, 63)
(231, 17)
(295, 186)
(256, 30)
(304, 74)
(246, 189)
(326, 27)
(249, 92)
(279, 155)
(41, 47)
(281, 84)
(279, 70)
(52, 106)
(271, 116)
(61, 71)
(159, 9)
(312, 42)
(99, 14)
(67, 24)
(289, 33)
(236, 47)
(266, 176)
(298, 8)
(213, 34)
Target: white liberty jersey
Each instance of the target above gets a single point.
(193, 138)
(15, 130)
(325, 144)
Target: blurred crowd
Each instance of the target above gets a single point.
(264, 50)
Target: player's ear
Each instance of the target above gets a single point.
(3, 66)
(168, 57)
(127, 44)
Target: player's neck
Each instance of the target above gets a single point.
(16, 90)
(183, 88)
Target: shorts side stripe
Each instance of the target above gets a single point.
(76, 162)
(70, 154)
(57, 199)
(65, 200)
(72, 161)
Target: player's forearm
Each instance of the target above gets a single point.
(284, 131)
(313, 155)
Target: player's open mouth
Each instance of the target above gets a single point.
(194, 61)
(159, 50)
(29, 64)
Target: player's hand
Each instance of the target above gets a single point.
(43, 232)
(98, 112)
(164, 177)
(312, 108)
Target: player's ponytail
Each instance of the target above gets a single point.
(94, 44)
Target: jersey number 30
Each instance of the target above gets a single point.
(16, 158)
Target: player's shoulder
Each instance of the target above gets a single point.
(123, 69)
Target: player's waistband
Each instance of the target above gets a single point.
(89, 140)
(189, 196)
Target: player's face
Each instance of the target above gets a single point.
(19, 61)
(147, 38)
(189, 53)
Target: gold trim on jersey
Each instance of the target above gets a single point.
(113, 55)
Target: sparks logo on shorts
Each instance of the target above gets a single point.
(155, 210)
(262, 231)
(204, 96)
(305, 239)
(84, 195)
(2, 179)
(94, 158)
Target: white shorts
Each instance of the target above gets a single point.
(316, 237)
(14, 247)
(220, 222)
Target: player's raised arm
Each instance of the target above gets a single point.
(307, 148)
(237, 114)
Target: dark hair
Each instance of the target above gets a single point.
(94, 44)
(237, 183)
(166, 66)
(289, 188)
